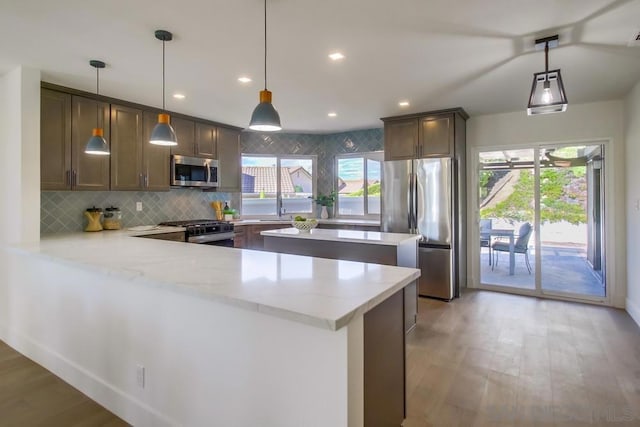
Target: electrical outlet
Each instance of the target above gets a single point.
(140, 379)
(139, 206)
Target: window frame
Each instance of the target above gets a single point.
(367, 155)
(279, 157)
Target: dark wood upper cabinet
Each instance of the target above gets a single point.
(186, 135)
(401, 139)
(423, 135)
(136, 164)
(88, 171)
(194, 138)
(68, 117)
(55, 140)
(206, 139)
(67, 123)
(156, 158)
(126, 148)
(436, 136)
(229, 160)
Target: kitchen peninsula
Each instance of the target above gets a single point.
(398, 249)
(168, 333)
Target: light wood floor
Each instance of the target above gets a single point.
(491, 359)
(32, 396)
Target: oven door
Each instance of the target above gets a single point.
(216, 239)
(193, 172)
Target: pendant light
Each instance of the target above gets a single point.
(547, 92)
(97, 144)
(265, 118)
(163, 133)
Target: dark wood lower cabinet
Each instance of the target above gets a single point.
(384, 364)
(249, 237)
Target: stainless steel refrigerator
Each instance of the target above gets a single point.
(423, 197)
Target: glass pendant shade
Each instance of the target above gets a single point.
(163, 133)
(547, 94)
(265, 118)
(97, 144)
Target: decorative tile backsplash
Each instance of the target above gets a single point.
(62, 211)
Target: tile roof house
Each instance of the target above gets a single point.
(257, 179)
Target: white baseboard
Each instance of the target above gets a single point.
(634, 310)
(115, 400)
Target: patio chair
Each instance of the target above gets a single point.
(521, 245)
(485, 238)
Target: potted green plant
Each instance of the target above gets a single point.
(326, 201)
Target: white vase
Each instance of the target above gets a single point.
(324, 214)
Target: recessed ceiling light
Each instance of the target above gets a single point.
(336, 56)
(244, 79)
(179, 96)
(403, 103)
(332, 114)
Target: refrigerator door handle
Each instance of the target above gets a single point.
(415, 203)
(410, 204)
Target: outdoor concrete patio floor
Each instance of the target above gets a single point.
(564, 269)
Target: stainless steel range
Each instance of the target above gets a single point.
(206, 231)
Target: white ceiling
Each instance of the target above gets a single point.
(436, 54)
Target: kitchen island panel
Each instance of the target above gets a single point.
(349, 251)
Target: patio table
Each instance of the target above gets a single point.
(505, 233)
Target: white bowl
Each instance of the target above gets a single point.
(305, 226)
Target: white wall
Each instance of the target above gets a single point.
(20, 156)
(599, 121)
(632, 155)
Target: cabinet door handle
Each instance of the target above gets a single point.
(140, 181)
(67, 178)
(146, 180)
(74, 178)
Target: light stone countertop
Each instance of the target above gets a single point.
(319, 292)
(353, 236)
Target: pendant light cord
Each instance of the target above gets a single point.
(163, 107)
(265, 44)
(97, 93)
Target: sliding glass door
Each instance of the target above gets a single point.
(541, 220)
(571, 215)
(507, 212)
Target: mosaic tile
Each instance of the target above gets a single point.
(63, 211)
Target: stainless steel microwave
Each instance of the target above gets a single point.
(193, 172)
